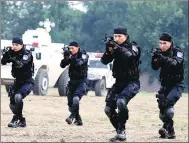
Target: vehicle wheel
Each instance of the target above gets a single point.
(62, 83)
(41, 83)
(100, 88)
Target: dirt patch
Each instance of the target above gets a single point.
(46, 115)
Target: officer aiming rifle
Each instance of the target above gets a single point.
(110, 42)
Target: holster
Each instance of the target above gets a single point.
(161, 99)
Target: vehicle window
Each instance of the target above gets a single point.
(96, 64)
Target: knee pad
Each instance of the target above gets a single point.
(121, 104)
(76, 100)
(123, 111)
(169, 113)
(18, 98)
(13, 108)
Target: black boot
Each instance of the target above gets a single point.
(170, 132)
(162, 131)
(121, 135)
(167, 131)
(78, 120)
(22, 122)
(71, 118)
(14, 122)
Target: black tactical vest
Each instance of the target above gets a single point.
(27, 70)
(78, 72)
(126, 69)
(168, 75)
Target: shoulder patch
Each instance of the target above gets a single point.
(25, 57)
(180, 54)
(135, 48)
(84, 56)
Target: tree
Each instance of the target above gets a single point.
(101, 18)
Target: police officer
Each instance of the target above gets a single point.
(170, 60)
(77, 86)
(22, 71)
(125, 55)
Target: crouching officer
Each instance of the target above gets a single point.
(125, 55)
(170, 60)
(77, 86)
(22, 71)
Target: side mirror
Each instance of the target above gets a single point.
(38, 56)
(32, 49)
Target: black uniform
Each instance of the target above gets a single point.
(126, 72)
(22, 71)
(77, 85)
(171, 65)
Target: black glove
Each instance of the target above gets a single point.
(66, 53)
(108, 49)
(156, 53)
(6, 55)
(110, 44)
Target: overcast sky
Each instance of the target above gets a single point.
(78, 5)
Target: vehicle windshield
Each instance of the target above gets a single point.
(96, 64)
